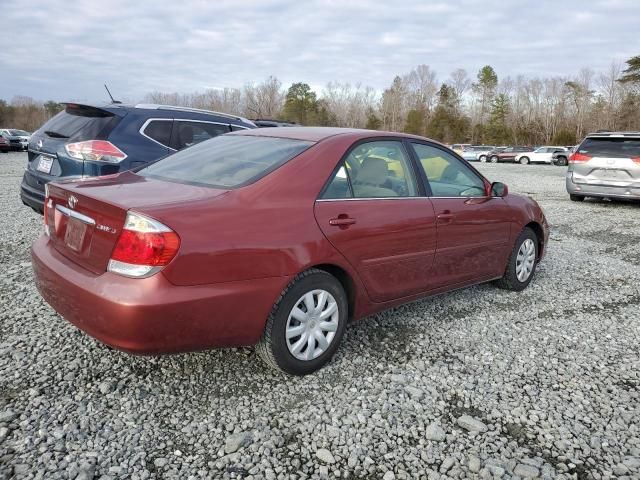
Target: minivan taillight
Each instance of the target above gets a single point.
(95, 151)
(579, 158)
(143, 248)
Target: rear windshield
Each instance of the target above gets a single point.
(611, 147)
(226, 161)
(19, 133)
(80, 123)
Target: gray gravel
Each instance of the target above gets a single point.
(480, 383)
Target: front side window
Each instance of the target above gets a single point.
(226, 161)
(378, 169)
(448, 176)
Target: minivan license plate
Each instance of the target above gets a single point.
(74, 235)
(44, 164)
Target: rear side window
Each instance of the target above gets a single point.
(611, 147)
(80, 123)
(226, 161)
(160, 131)
(189, 133)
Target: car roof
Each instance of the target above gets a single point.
(614, 134)
(122, 109)
(316, 134)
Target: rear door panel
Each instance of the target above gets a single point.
(391, 244)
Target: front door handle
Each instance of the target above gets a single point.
(342, 221)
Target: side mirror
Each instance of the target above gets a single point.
(499, 189)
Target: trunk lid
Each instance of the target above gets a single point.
(85, 218)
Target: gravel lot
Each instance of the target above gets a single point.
(480, 383)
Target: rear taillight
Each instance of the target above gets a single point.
(143, 248)
(579, 158)
(636, 159)
(96, 151)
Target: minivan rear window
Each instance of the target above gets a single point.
(80, 123)
(620, 147)
(227, 161)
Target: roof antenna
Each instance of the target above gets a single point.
(111, 96)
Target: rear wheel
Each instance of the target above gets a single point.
(524, 160)
(494, 159)
(561, 161)
(306, 324)
(576, 198)
(522, 262)
(483, 158)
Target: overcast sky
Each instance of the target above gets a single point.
(66, 50)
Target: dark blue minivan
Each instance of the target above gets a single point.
(87, 141)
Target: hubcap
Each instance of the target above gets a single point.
(312, 325)
(525, 260)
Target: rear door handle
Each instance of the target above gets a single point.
(342, 221)
(445, 216)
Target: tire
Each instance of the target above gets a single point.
(576, 198)
(524, 160)
(523, 256)
(483, 158)
(494, 159)
(562, 161)
(277, 351)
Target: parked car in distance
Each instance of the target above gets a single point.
(254, 238)
(18, 139)
(561, 158)
(475, 153)
(87, 141)
(507, 154)
(266, 122)
(539, 155)
(4, 145)
(459, 147)
(605, 165)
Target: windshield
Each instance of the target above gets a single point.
(19, 133)
(226, 161)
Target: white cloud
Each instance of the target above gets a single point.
(53, 51)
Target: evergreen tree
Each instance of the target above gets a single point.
(300, 104)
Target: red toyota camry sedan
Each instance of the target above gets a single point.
(277, 237)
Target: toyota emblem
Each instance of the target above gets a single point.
(73, 201)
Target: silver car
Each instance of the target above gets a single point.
(605, 165)
(18, 139)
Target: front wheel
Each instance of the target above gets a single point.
(522, 262)
(576, 198)
(561, 161)
(306, 324)
(494, 159)
(483, 158)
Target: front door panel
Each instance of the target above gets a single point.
(473, 238)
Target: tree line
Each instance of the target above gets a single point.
(460, 108)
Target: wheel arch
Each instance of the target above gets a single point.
(537, 229)
(345, 280)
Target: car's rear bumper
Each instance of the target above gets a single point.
(31, 196)
(601, 189)
(151, 315)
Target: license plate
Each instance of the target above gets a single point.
(74, 235)
(44, 164)
(611, 174)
